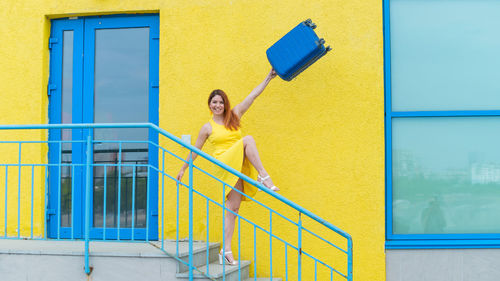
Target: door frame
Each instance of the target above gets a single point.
(83, 112)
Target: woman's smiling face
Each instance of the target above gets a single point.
(217, 105)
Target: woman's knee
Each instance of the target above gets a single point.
(233, 207)
(234, 200)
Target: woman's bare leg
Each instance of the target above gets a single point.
(233, 203)
(251, 152)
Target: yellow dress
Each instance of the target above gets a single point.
(229, 150)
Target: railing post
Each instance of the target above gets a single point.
(87, 206)
(6, 199)
(191, 263)
(349, 259)
(19, 196)
(299, 246)
(163, 199)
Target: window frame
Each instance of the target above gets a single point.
(420, 241)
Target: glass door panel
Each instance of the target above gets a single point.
(65, 82)
(121, 74)
(67, 117)
(121, 91)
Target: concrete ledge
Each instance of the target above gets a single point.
(77, 248)
(443, 264)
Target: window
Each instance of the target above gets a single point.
(442, 123)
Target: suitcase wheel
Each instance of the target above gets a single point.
(328, 49)
(321, 41)
(309, 23)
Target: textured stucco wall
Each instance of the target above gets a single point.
(320, 136)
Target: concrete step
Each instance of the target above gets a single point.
(199, 258)
(199, 252)
(216, 272)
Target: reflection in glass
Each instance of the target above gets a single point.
(67, 93)
(444, 55)
(121, 95)
(446, 175)
(129, 179)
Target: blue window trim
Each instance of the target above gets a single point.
(83, 88)
(420, 241)
(443, 244)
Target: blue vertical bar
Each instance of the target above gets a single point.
(19, 196)
(72, 202)
(349, 259)
(46, 199)
(191, 263)
(6, 199)
(286, 262)
(254, 252)
(223, 232)
(177, 228)
(271, 244)
(133, 201)
(162, 198)
(239, 248)
(119, 168)
(147, 205)
(388, 116)
(315, 270)
(208, 244)
(104, 210)
(331, 275)
(299, 246)
(59, 192)
(87, 205)
(32, 185)
(153, 104)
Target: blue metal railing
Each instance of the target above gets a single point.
(305, 251)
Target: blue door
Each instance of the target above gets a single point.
(104, 70)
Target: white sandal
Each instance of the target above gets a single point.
(224, 260)
(262, 179)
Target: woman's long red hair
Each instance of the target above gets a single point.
(231, 120)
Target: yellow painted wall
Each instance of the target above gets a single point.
(320, 136)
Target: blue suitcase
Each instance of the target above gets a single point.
(296, 51)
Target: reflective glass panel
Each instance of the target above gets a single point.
(444, 54)
(446, 175)
(121, 95)
(67, 103)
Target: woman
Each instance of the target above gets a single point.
(223, 131)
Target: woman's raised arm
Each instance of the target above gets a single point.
(242, 107)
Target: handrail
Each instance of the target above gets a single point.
(190, 147)
(86, 130)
